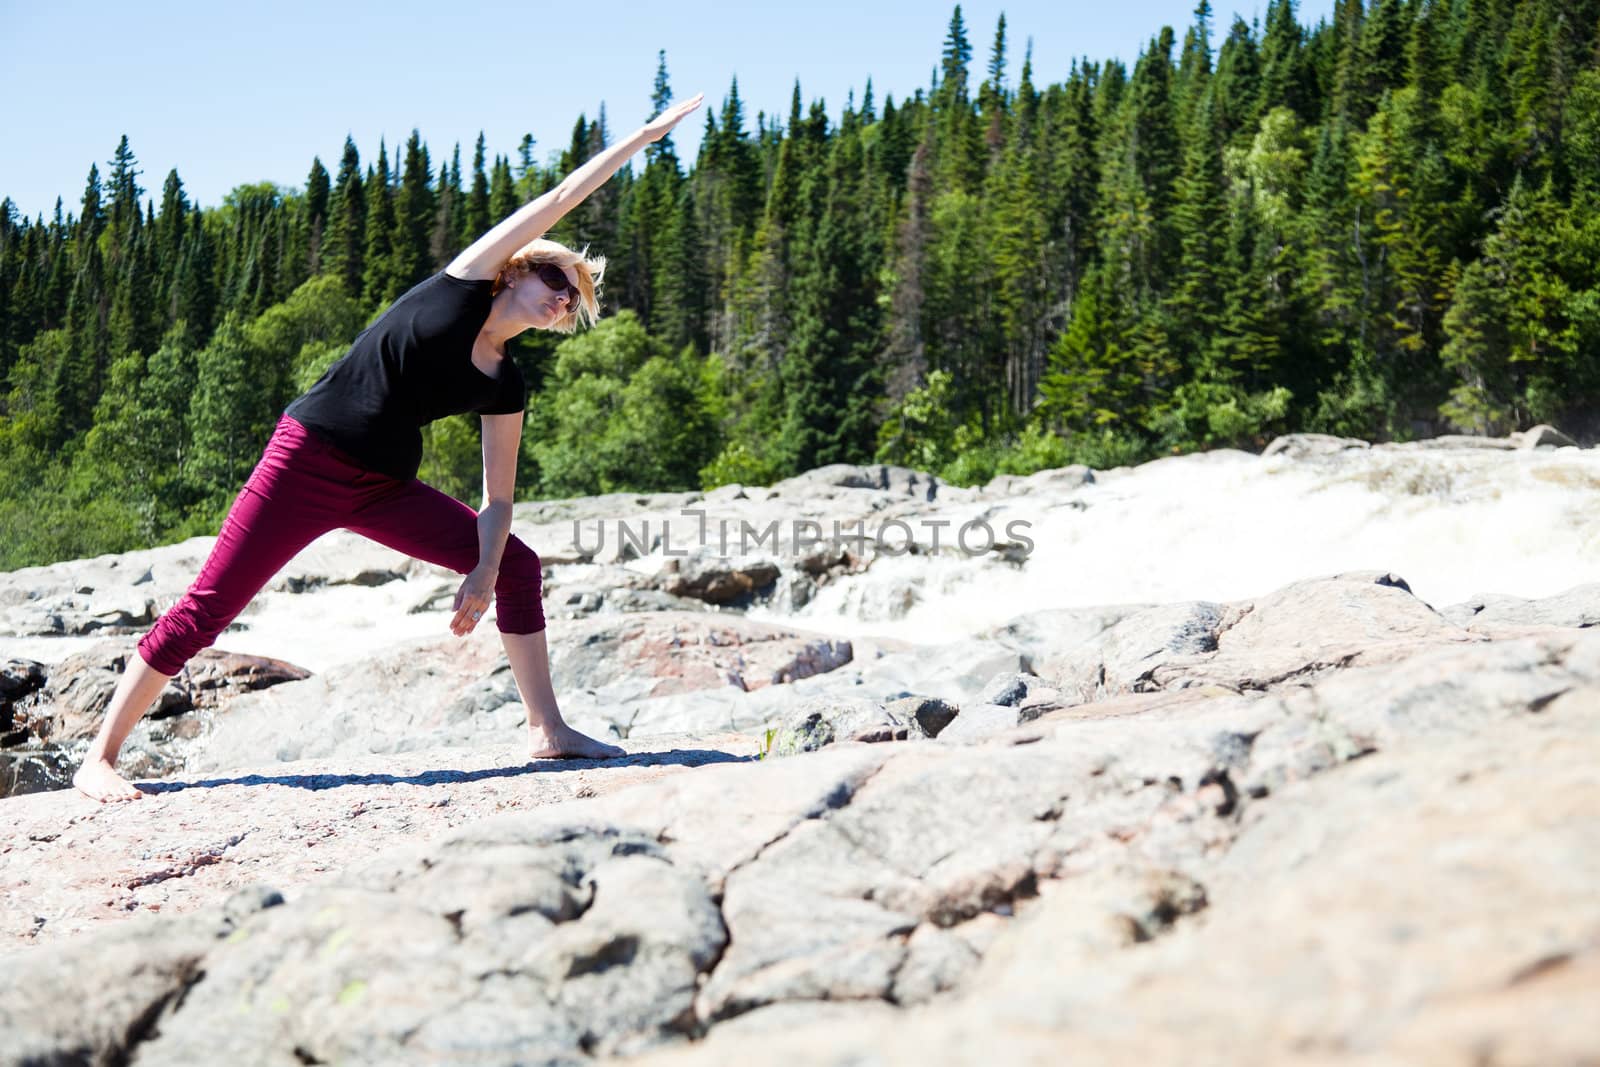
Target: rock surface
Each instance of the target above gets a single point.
(1116, 871)
(68, 865)
(1325, 823)
(1492, 614)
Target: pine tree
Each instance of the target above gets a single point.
(122, 192)
(171, 224)
(80, 375)
(132, 323)
(1382, 52)
(194, 288)
(477, 215)
(828, 371)
(527, 171)
(448, 214)
(1514, 323)
(1194, 66)
(1284, 74)
(93, 219)
(347, 233)
(992, 96)
(1198, 214)
(957, 56)
(230, 416)
(382, 278)
(414, 216)
(1346, 95)
(660, 100)
(316, 214)
(503, 199)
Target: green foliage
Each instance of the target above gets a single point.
(1519, 319)
(230, 416)
(452, 457)
(289, 338)
(1035, 449)
(1214, 415)
(618, 414)
(921, 430)
(738, 464)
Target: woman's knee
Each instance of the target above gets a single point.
(183, 630)
(519, 591)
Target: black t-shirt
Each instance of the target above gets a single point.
(412, 366)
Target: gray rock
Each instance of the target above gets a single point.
(1293, 633)
(18, 678)
(1039, 635)
(929, 715)
(820, 722)
(247, 901)
(51, 1014)
(719, 581)
(344, 558)
(659, 653)
(632, 601)
(1311, 445)
(901, 481)
(549, 944)
(71, 704)
(438, 597)
(1071, 867)
(1125, 656)
(1487, 612)
(417, 695)
(1544, 436)
(1057, 478)
(1456, 442)
(823, 722)
(978, 722)
(1007, 688)
(936, 961)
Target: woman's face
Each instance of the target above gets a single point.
(540, 296)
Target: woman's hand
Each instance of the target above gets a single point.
(662, 124)
(473, 600)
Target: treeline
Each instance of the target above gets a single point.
(1382, 226)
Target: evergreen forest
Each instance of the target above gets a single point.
(1384, 226)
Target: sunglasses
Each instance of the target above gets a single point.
(555, 279)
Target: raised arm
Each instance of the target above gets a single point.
(485, 256)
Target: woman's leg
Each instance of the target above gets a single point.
(549, 735)
(289, 502)
(137, 689)
(421, 521)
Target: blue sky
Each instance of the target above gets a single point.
(243, 92)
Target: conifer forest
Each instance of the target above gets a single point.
(1386, 225)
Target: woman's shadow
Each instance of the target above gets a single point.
(686, 757)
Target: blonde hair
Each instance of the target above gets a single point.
(590, 270)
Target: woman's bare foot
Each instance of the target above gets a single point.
(98, 780)
(566, 743)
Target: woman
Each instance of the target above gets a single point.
(346, 455)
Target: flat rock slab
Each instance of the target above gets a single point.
(68, 864)
(1388, 860)
(1430, 904)
(660, 653)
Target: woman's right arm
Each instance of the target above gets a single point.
(484, 257)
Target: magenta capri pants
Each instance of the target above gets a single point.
(302, 488)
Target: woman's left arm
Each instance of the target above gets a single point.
(502, 434)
